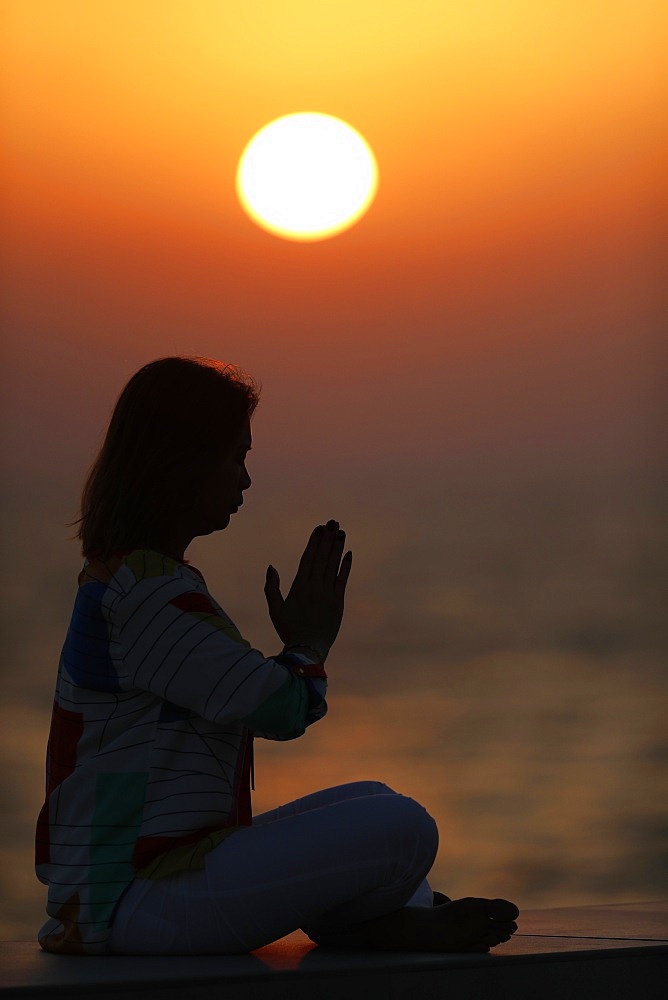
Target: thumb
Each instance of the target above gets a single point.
(272, 591)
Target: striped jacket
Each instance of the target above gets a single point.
(149, 759)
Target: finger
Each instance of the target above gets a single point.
(323, 552)
(344, 573)
(334, 558)
(305, 568)
(272, 591)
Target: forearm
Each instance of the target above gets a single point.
(299, 703)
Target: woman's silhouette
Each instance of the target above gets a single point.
(146, 839)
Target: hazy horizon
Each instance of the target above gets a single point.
(502, 660)
(471, 379)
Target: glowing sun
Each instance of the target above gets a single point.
(307, 176)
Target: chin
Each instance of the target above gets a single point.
(219, 525)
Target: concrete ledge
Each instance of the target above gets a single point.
(591, 952)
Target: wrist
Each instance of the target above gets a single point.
(312, 649)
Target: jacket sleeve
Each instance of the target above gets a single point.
(168, 637)
(297, 704)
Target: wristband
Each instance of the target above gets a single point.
(320, 658)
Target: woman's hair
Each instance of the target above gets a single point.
(171, 421)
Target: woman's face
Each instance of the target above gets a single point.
(221, 494)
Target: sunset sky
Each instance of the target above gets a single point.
(498, 312)
(505, 282)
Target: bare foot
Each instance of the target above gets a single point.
(469, 924)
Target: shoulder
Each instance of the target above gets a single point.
(124, 579)
(137, 566)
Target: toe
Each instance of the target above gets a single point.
(493, 937)
(503, 935)
(501, 909)
(506, 926)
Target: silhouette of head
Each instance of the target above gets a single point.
(174, 450)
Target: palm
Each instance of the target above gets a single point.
(313, 608)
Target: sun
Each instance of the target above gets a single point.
(307, 176)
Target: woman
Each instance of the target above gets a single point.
(146, 839)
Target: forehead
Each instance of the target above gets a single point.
(244, 438)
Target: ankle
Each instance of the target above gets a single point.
(396, 931)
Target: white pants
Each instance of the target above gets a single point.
(324, 862)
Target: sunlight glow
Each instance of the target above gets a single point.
(307, 176)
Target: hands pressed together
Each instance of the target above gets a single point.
(311, 613)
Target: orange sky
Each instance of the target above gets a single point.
(521, 149)
(502, 301)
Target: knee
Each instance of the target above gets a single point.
(399, 813)
(374, 788)
(423, 823)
